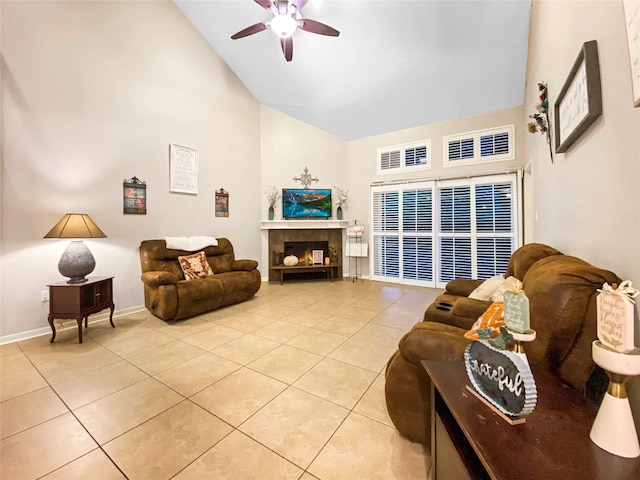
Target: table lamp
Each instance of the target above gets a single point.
(77, 260)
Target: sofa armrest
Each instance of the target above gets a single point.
(157, 278)
(244, 265)
(462, 286)
(433, 341)
(470, 307)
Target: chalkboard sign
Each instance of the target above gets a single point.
(516, 311)
(502, 377)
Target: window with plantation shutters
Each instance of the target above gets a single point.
(417, 234)
(386, 221)
(390, 160)
(480, 146)
(403, 158)
(402, 219)
(454, 233)
(495, 224)
(429, 233)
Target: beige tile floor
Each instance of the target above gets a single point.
(289, 385)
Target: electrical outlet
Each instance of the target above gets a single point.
(44, 296)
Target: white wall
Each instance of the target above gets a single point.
(587, 203)
(93, 93)
(288, 146)
(362, 158)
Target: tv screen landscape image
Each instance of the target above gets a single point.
(300, 203)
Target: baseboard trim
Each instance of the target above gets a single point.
(67, 324)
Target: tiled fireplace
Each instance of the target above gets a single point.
(285, 238)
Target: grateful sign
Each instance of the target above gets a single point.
(502, 377)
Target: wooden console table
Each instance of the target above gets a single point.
(79, 300)
(332, 270)
(469, 440)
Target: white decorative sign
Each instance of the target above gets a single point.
(632, 23)
(183, 176)
(615, 316)
(575, 105)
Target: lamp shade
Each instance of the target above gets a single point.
(76, 261)
(75, 225)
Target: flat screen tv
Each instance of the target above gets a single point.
(299, 203)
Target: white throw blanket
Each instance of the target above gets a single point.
(190, 244)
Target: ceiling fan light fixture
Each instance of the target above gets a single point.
(284, 25)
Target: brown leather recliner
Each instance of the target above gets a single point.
(561, 291)
(170, 297)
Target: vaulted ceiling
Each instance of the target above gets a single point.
(396, 64)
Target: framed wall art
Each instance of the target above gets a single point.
(579, 102)
(222, 203)
(632, 24)
(183, 165)
(134, 196)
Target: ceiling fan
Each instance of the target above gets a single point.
(286, 20)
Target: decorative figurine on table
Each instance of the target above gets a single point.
(615, 316)
(495, 361)
(613, 429)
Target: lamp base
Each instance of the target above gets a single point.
(78, 280)
(76, 262)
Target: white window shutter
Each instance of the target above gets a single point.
(488, 145)
(404, 158)
(477, 229)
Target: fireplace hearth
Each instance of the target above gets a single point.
(301, 249)
(289, 241)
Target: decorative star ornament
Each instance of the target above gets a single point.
(305, 178)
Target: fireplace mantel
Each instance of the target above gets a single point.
(302, 224)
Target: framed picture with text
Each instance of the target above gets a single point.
(579, 102)
(183, 165)
(632, 25)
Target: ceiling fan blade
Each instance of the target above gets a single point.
(267, 5)
(258, 27)
(287, 48)
(297, 5)
(317, 27)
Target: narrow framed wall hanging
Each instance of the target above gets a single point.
(134, 196)
(222, 203)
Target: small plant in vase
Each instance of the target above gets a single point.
(272, 197)
(341, 199)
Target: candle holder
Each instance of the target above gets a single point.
(521, 339)
(613, 429)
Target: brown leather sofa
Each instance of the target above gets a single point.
(561, 291)
(170, 297)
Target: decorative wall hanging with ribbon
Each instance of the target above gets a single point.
(615, 316)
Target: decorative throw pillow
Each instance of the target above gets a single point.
(487, 288)
(488, 324)
(511, 283)
(195, 266)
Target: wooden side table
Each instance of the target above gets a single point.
(469, 440)
(79, 300)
